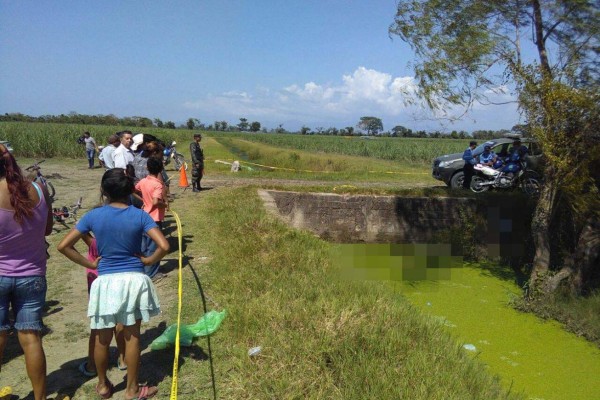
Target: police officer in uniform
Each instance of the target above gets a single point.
(197, 161)
(470, 162)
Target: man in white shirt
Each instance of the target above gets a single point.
(123, 154)
(106, 155)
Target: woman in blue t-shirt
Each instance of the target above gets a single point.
(122, 293)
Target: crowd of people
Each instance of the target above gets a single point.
(125, 245)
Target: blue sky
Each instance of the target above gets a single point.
(315, 63)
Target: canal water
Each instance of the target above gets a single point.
(533, 356)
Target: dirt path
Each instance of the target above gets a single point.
(66, 342)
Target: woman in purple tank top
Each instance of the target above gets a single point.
(25, 218)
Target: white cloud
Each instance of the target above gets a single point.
(364, 92)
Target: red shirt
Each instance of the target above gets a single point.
(152, 188)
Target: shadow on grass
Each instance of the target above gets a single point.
(13, 348)
(210, 358)
(503, 272)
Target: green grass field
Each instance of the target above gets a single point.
(321, 336)
(401, 150)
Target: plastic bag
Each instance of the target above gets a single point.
(206, 325)
(167, 338)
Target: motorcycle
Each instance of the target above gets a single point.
(171, 153)
(510, 176)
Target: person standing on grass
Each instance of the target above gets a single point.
(197, 161)
(25, 218)
(106, 155)
(90, 148)
(88, 366)
(122, 293)
(470, 162)
(153, 193)
(123, 154)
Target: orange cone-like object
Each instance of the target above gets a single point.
(183, 182)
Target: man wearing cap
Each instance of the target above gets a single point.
(517, 151)
(123, 155)
(106, 155)
(470, 162)
(488, 157)
(197, 161)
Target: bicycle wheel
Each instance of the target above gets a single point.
(51, 190)
(179, 162)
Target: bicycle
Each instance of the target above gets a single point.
(62, 214)
(39, 178)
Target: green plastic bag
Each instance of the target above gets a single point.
(206, 325)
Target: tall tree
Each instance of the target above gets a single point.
(193, 123)
(243, 125)
(255, 126)
(401, 131)
(370, 124)
(467, 49)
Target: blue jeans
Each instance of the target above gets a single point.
(90, 156)
(27, 295)
(149, 247)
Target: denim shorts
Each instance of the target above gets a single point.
(27, 295)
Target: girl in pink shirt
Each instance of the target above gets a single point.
(153, 193)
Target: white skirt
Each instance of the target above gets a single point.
(122, 298)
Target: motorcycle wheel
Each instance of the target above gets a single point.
(476, 186)
(530, 186)
(179, 162)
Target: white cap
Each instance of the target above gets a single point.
(137, 140)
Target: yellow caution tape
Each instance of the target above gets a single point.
(325, 172)
(179, 294)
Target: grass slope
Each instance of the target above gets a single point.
(321, 337)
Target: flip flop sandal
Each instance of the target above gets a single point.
(5, 393)
(143, 395)
(83, 369)
(120, 366)
(107, 395)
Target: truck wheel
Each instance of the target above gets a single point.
(457, 180)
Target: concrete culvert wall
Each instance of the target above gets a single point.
(487, 226)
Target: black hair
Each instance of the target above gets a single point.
(155, 165)
(121, 133)
(116, 184)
